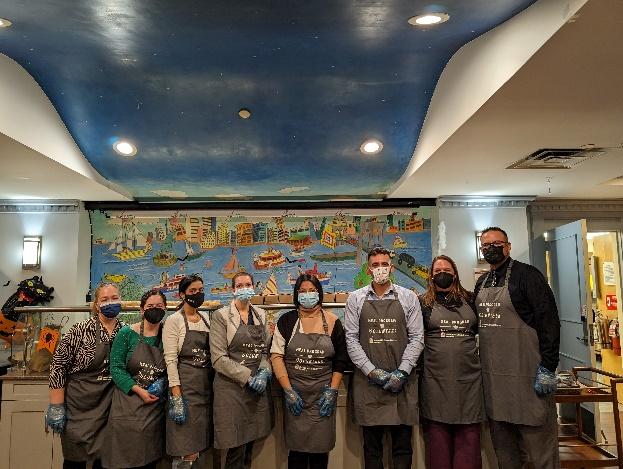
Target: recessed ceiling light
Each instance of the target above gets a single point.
(429, 19)
(124, 148)
(371, 147)
(4, 23)
(244, 113)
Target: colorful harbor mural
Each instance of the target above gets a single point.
(143, 253)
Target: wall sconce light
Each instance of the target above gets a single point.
(481, 260)
(31, 252)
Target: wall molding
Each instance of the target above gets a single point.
(39, 206)
(576, 205)
(464, 201)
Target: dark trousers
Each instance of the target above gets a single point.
(97, 464)
(516, 444)
(239, 457)
(452, 446)
(402, 451)
(300, 460)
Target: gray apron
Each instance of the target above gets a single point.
(451, 384)
(240, 414)
(383, 337)
(309, 363)
(195, 370)
(88, 394)
(509, 353)
(135, 431)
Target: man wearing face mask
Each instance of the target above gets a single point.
(239, 338)
(80, 384)
(384, 336)
(519, 342)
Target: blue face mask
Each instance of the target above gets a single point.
(110, 310)
(244, 294)
(309, 299)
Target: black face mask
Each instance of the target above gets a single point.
(443, 279)
(154, 315)
(494, 255)
(195, 300)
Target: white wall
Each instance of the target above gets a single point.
(461, 224)
(65, 253)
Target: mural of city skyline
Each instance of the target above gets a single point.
(143, 253)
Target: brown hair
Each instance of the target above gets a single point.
(96, 294)
(456, 294)
(241, 273)
(151, 293)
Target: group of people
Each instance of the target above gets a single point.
(125, 396)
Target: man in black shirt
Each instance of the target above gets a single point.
(519, 342)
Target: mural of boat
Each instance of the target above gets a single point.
(114, 278)
(271, 286)
(335, 256)
(323, 277)
(191, 254)
(224, 289)
(399, 242)
(231, 266)
(169, 284)
(130, 243)
(269, 258)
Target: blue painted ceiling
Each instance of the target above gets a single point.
(319, 78)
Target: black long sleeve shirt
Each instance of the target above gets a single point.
(534, 302)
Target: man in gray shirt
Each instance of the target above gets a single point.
(384, 337)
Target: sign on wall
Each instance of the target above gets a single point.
(143, 253)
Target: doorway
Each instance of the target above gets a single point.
(605, 282)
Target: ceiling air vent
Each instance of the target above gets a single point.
(557, 158)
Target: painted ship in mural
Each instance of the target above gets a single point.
(268, 259)
(399, 243)
(271, 286)
(191, 254)
(130, 243)
(169, 284)
(323, 277)
(232, 266)
(224, 289)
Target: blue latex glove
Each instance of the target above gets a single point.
(545, 381)
(397, 380)
(258, 381)
(158, 387)
(56, 417)
(294, 403)
(178, 409)
(328, 401)
(379, 376)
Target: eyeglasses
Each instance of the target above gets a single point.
(497, 244)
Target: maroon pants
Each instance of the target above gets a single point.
(452, 446)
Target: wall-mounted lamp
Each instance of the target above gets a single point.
(31, 252)
(481, 260)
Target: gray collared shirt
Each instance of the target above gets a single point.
(415, 327)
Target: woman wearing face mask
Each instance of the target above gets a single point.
(185, 337)
(80, 385)
(135, 430)
(309, 356)
(451, 385)
(239, 339)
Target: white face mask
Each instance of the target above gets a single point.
(381, 274)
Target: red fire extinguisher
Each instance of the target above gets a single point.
(613, 332)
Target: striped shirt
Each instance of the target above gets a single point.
(76, 350)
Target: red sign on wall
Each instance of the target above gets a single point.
(611, 302)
